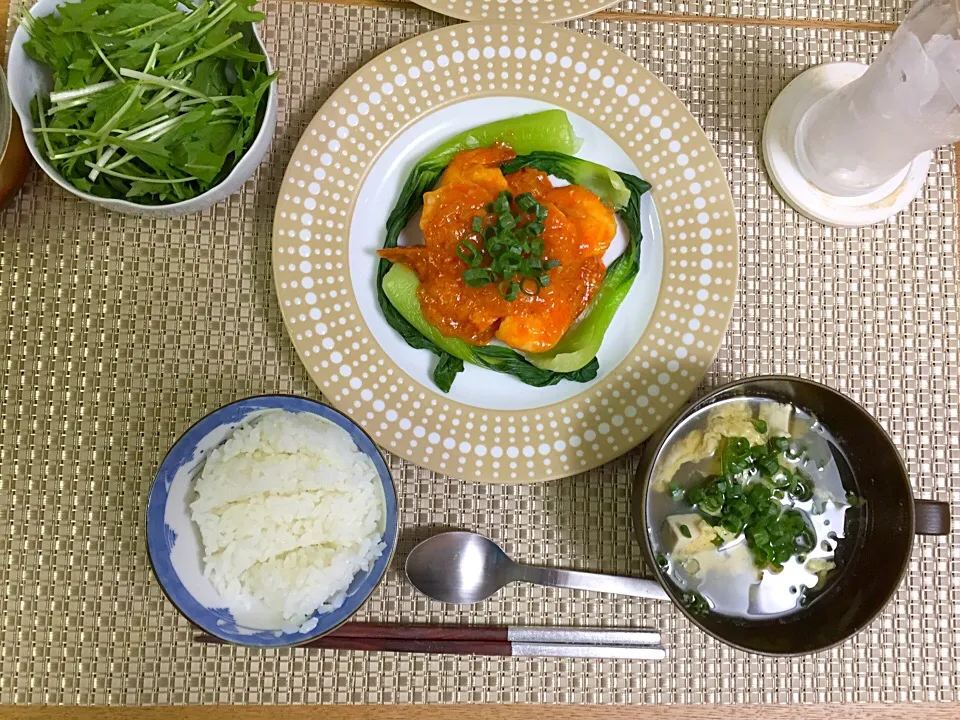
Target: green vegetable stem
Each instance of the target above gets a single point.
(151, 102)
(603, 182)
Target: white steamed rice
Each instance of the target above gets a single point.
(289, 511)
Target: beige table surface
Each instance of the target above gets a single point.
(877, 15)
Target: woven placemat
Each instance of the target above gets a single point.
(811, 11)
(121, 332)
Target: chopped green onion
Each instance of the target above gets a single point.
(685, 531)
(761, 426)
(854, 500)
(696, 604)
(535, 228)
(804, 487)
(509, 263)
(469, 253)
(477, 277)
(778, 444)
(526, 202)
(746, 498)
(513, 246)
(509, 289)
(769, 465)
(529, 286)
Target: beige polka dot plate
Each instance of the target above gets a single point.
(344, 178)
(512, 10)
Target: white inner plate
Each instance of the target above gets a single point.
(479, 387)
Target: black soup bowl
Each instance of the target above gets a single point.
(875, 554)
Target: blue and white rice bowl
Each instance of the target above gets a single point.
(175, 546)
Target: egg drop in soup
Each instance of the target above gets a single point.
(752, 509)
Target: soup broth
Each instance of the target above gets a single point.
(719, 569)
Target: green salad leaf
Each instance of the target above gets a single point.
(574, 358)
(151, 101)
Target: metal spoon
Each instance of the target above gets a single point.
(464, 568)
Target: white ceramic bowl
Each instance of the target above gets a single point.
(26, 77)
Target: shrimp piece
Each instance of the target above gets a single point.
(470, 314)
(480, 167)
(531, 333)
(595, 222)
(529, 180)
(561, 240)
(458, 311)
(448, 213)
(446, 218)
(543, 320)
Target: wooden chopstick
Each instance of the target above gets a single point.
(503, 641)
(500, 633)
(476, 647)
(401, 631)
(455, 647)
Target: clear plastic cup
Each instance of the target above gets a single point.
(907, 102)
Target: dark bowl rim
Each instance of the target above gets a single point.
(392, 546)
(642, 488)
